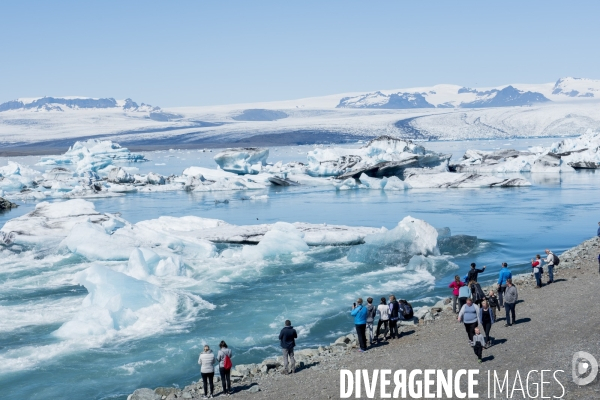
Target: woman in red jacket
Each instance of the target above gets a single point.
(536, 266)
(456, 285)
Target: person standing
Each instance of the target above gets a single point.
(487, 319)
(598, 229)
(477, 294)
(493, 302)
(473, 273)
(287, 341)
(550, 263)
(469, 315)
(455, 286)
(502, 277)
(478, 344)
(359, 312)
(394, 316)
(536, 266)
(371, 313)
(225, 372)
(207, 370)
(510, 301)
(384, 318)
(463, 294)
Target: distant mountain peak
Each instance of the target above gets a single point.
(60, 103)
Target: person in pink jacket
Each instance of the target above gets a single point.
(456, 285)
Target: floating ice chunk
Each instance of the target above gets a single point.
(137, 267)
(230, 184)
(282, 239)
(92, 242)
(383, 156)
(242, 160)
(394, 183)
(372, 183)
(119, 175)
(170, 266)
(411, 237)
(346, 184)
(461, 180)
(113, 303)
(51, 221)
(94, 153)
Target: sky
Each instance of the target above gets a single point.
(194, 53)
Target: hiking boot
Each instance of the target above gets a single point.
(507, 324)
(479, 361)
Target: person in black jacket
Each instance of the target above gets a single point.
(286, 339)
(473, 273)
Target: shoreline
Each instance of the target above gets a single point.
(264, 380)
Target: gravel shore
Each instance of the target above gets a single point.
(552, 324)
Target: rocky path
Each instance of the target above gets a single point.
(552, 324)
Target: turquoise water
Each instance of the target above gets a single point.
(251, 300)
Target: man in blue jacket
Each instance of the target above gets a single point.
(504, 275)
(359, 312)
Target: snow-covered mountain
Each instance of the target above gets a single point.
(59, 103)
(568, 107)
(451, 96)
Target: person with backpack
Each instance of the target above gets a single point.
(455, 286)
(473, 273)
(359, 312)
(470, 316)
(477, 294)
(394, 316)
(502, 277)
(371, 313)
(384, 319)
(551, 261)
(510, 301)
(406, 310)
(287, 341)
(224, 359)
(487, 319)
(536, 266)
(207, 370)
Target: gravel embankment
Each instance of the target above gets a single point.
(552, 324)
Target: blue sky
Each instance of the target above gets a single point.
(200, 53)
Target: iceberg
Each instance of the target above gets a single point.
(582, 152)
(384, 156)
(93, 155)
(242, 161)
(506, 161)
(118, 304)
(397, 246)
(282, 239)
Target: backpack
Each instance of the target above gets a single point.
(407, 311)
(556, 259)
(227, 362)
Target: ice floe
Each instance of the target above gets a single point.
(242, 160)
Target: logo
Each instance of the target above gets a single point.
(585, 368)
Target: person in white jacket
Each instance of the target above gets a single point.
(384, 318)
(550, 265)
(207, 370)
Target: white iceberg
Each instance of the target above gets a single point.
(411, 237)
(242, 161)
